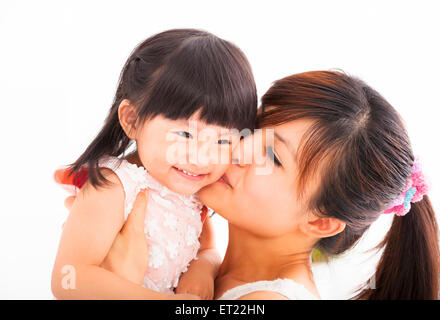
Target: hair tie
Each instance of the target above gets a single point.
(416, 187)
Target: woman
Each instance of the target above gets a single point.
(341, 158)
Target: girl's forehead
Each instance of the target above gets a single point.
(195, 124)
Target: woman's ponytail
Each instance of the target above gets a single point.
(409, 267)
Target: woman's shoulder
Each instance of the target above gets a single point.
(278, 289)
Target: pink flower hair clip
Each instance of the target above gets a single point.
(415, 188)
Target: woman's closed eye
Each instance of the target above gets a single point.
(271, 154)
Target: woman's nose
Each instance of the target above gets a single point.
(242, 153)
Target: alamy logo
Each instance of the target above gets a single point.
(203, 147)
(68, 282)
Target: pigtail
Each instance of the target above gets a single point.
(110, 141)
(409, 267)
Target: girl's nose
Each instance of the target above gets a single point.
(198, 163)
(202, 155)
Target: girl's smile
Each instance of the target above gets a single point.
(190, 175)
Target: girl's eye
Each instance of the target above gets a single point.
(184, 134)
(224, 141)
(271, 154)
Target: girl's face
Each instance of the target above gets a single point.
(184, 155)
(264, 204)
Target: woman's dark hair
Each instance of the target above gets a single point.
(359, 144)
(175, 74)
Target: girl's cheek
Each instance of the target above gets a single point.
(174, 152)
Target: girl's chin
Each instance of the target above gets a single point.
(184, 190)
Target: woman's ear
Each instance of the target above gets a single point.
(127, 118)
(323, 227)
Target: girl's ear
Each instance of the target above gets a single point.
(127, 118)
(323, 227)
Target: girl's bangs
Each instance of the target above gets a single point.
(211, 81)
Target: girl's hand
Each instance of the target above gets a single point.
(128, 256)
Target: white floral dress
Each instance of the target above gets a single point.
(173, 224)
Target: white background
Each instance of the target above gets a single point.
(59, 65)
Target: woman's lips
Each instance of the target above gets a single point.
(190, 175)
(224, 179)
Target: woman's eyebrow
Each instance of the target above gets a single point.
(287, 143)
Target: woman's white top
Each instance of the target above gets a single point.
(286, 287)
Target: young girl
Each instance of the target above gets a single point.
(173, 86)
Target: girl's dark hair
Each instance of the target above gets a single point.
(359, 144)
(175, 74)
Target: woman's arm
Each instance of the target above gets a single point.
(95, 219)
(199, 279)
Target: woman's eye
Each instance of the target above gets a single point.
(184, 134)
(224, 141)
(271, 154)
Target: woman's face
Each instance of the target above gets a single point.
(265, 204)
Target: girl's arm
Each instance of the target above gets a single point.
(199, 279)
(95, 219)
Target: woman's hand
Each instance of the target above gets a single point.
(128, 256)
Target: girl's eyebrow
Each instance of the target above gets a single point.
(201, 125)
